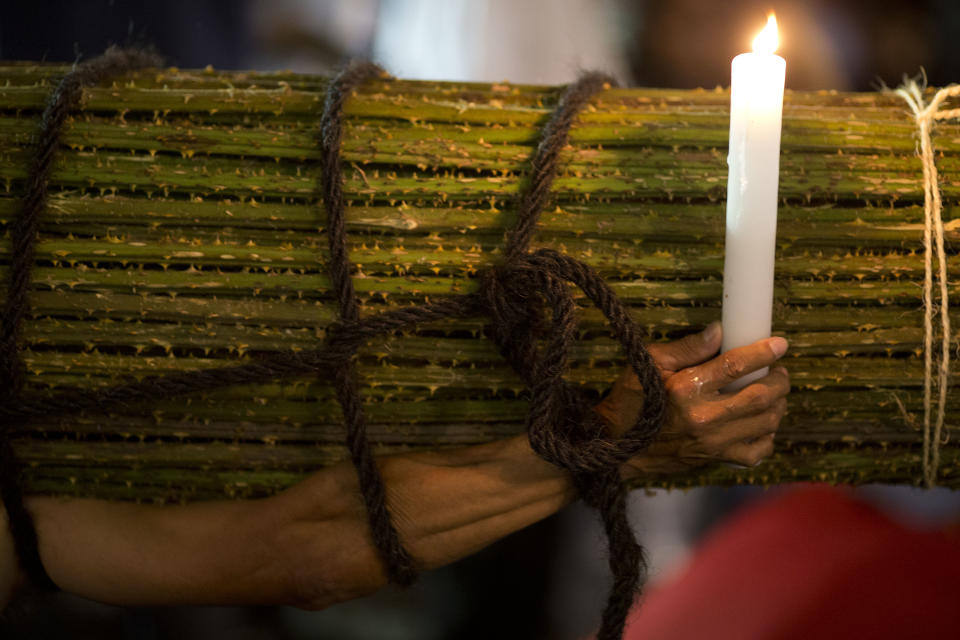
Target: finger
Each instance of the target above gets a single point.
(750, 454)
(757, 397)
(621, 407)
(749, 428)
(727, 367)
(689, 350)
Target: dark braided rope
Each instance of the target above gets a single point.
(544, 166)
(340, 345)
(399, 564)
(561, 425)
(23, 234)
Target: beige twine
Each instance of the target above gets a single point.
(926, 114)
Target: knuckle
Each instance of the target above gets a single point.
(780, 407)
(733, 366)
(680, 387)
(663, 356)
(699, 419)
(689, 346)
(753, 459)
(783, 384)
(757, 397)
(768, 449)
(756, 456)
(772, 421)
(756, 453)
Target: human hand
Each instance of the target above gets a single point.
(702, 423)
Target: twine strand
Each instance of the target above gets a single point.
(926, 114)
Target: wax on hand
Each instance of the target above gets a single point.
(756, 109)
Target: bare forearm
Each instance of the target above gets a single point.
(128, 554)
(308, 546)
(311, 545)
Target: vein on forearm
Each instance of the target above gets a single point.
(445, 504)
(484, 489)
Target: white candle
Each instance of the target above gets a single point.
(756, 108)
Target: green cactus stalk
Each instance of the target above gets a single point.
(184, 231)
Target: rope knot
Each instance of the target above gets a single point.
(570, 434)
(562, 427)
(509, 297)
(534, 325)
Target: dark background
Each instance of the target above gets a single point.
(830, 44)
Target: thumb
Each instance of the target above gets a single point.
(621, 407)
(689, 350)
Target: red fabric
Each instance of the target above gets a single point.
(810, 564)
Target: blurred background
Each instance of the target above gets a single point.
(829, 44)
(550, 580)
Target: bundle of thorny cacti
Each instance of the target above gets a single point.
(184, 231)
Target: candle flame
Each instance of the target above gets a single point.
(767, 40)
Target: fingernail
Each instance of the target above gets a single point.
(712, 332)
(778, 345)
